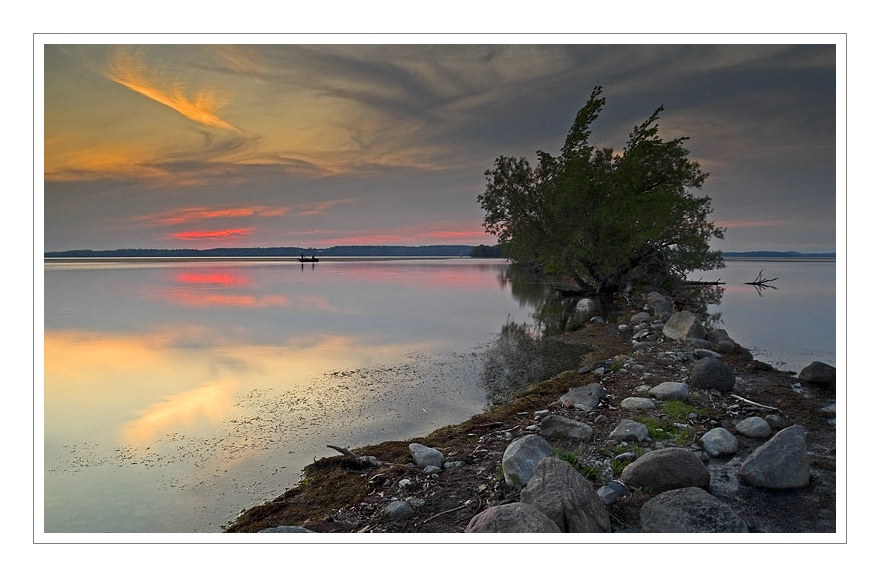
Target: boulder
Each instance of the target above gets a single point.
(636, 404)
(818, 373)
(396, 510)
(754, 428)
(425, 456)
(566, 497)
(511, 518)
(712, 373)
(666, 469)
(670, 391)
(628, 430)
(639, 318)
(684, 325)
(660, 304)
(719, 441)
(689, 510)
(780, 463)
(564, 427)
(585, 398)
(521, 458)
(718, 335)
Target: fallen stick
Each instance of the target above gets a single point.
(743, 399)
(360, 459)
(432, 517)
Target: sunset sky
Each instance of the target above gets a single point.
(154, 145)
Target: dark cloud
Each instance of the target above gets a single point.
(422, 123)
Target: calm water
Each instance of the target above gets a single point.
(178, 393)
(788, 326)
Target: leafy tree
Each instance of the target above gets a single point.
(605, 219)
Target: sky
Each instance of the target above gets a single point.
(203, 145)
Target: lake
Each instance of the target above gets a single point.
(789, 324)
(179, 392)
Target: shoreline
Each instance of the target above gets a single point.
(337, 494)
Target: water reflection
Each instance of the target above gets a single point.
(191, 390)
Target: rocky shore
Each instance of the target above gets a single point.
(667, 426)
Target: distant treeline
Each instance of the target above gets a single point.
(288, 251)
(480, 251)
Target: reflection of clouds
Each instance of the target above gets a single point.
(316, 302)
(211, 401)
(187, 298)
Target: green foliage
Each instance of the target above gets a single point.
(483, 251)
(679, 410)
(588, 471)
(665, 431)
(601, 217)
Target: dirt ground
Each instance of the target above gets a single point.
(340, 494)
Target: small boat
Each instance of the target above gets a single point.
(304, 258)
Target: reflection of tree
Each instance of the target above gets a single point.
(520, 358)
(526, 353)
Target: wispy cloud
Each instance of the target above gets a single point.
(127, 69)
(211, 234)
(195, 214)
(316, 208)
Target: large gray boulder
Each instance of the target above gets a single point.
(566, 497)
(659, 303)
(637, 404)
(711, 373)
(555, 425)
(425, 456)
(511, 518)
(754, 428)
(684, 325)
(670, 391)
(818, 373)
(629, 430)
(666, 469)
(585, 398)
(780, 463)
(521, 458)
(719, 441)
(689, 510)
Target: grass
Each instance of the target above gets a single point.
(665, 431)
(590, 472)
(679, 410)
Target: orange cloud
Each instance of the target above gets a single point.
(209, 234)
(193, 214)
(128, 70)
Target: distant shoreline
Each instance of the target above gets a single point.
(283, 253)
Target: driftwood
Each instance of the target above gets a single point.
(743, 399)
(372, 461)
(761, 281)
